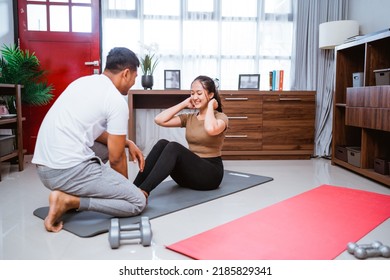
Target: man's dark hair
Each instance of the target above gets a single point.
(210, 86)
(119, 59)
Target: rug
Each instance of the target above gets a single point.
(314, 225)
(168, 197)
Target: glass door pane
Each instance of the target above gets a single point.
(81, 19)
(36, 17)
(59, 18)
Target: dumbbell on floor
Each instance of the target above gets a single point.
(118, 232)
(351, 247)
(363, 251)
(382, 251)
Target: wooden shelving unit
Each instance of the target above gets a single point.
(15, 123)
(361, 115)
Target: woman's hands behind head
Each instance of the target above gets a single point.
(213, 104)
(189, 103)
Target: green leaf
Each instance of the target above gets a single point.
(22, 67)
(148, 65)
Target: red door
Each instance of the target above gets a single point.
(65, 36)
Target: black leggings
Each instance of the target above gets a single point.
(186, 168)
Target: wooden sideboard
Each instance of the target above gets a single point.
(262, 124)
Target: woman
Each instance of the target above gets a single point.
(200, 166)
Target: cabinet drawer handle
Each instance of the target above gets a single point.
(237, 118)
(236, 98)
(290, 99)
(237, 136)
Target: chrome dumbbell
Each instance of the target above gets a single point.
(382, 251)
(363, 251)
(141, 231)
(351, 247)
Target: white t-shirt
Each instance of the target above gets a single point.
(89, 106)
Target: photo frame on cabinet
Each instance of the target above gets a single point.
(171, 79)
(249, 81)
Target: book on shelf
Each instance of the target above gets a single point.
(6, 131)
(281, 76)
(276, 80)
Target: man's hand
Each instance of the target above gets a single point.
(135, 154)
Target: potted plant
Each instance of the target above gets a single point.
(148, 65)
(22, 67)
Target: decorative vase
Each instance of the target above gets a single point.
(147, 81)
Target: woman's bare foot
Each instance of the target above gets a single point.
(145, 194)
(59, 203)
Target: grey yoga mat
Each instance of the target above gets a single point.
(166, 198)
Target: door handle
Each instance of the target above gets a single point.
(92, 63)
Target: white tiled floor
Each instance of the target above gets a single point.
(23, 236)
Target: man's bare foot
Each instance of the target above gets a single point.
(59, 203)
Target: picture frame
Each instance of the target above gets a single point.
(249, 81)
(171, 79)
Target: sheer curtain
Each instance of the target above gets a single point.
(218, 38)
(312, 68)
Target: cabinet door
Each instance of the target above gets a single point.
(244, 133)
(368, 107)
(288, 122)
(245, 118)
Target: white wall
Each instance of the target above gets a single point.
(6, 22)
(372, 15)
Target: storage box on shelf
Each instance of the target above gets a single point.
(361, 115)
(6, 144)
(353, 156)
(382, 77)
(341, 153)
(14, 123)
(381, 166)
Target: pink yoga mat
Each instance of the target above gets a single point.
(314, 225)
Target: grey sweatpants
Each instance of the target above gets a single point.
(99, 187)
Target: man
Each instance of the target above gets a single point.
(86, 126)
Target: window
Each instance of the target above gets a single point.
(218, 38)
